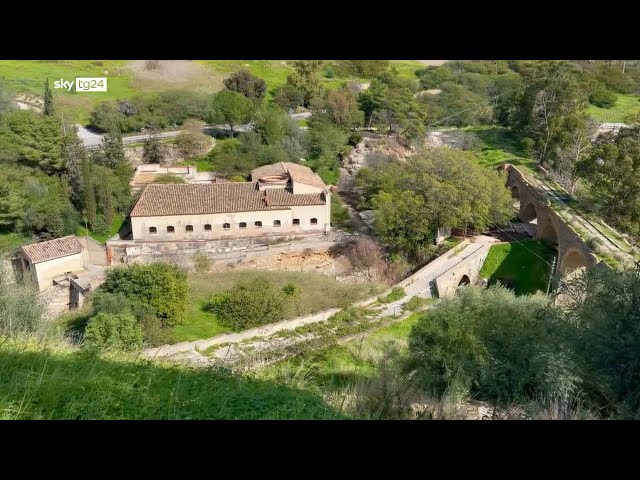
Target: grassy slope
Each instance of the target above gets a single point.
(201, 324)
(41, 383)
(625, 105)
(28, 76)
(340, 366)
(519, 265)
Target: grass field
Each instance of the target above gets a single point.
(500, 146)
(126, 79)
(201, 324)
(520, 265)
(40, 382)
(625, 105)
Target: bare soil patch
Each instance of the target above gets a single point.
(159, 74)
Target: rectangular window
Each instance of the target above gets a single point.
(171, 229)
(296, 221)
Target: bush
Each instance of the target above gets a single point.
(250, 304)
(291, 290)
(201, 262)
(603, 98)
(114, 331)
(191, 144)
(355, 138)
(21, 309)
(415, 304)
(492, 345)
(160, 285)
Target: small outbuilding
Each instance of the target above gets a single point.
(46, 261)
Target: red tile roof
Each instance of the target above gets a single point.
(298, 173)
(52, 249)
(208, 198)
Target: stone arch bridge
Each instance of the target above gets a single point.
(573, 252)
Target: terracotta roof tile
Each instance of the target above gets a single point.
(229, 197)
(51, 249)
(298, 173)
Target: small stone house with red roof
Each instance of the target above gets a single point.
(281, 199)
(45, 261)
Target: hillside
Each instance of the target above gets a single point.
(38, 382)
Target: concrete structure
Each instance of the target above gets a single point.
(465, 272)
(573, 252)
(146, 174)
(46, 261)
(281, 199)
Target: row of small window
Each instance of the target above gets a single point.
(227, 226)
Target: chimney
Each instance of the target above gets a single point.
(266, 198)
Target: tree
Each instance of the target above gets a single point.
(271, 123)
(366, 258)
(106, 116)
(612, 171)
(114, 331)
(160, 285)
(363, 68)
(573, 143)
(250, 304)
(551, 91)
(48, 99)
(343, 108)
(75, 157)
(191, 144)
(231, 108)
(153, 150)
(306, 78)
(437, 188)
(111, 154)
(248, 85)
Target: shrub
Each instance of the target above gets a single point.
(493, 345)
(201, 262)
(154, 333)
(247, 84)
(21, 309)
(160, 285)
(191, 144)
(114, 331)
(291, 290)
(252, 303)
(415, 304)
(603, 98)
(355, 138)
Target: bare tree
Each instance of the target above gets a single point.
(366, 257)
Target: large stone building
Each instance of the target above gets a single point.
(281, 199)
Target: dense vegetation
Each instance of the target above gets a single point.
(435, 189)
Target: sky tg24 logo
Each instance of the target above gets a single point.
(83, 84)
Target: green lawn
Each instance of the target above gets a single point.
(50, 382)
(500, 146)
(520, 265)
(201, 324)
(625, 105)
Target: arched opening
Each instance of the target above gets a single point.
(549, 234)
(464, 281)
(226, 226)
(528, 214)
(153, 230)
(515, 193)
(573, 260)
(189, 228)
(314, 221)
(277, 223)
(257, 224)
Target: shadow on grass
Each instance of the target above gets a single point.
(523, 267)
(46, 384)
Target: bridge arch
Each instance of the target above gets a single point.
(515, 192)
(465, 280)
(528, 212)
(573, 259)
(548, 233)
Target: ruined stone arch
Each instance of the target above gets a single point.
(528, 213)
(547, 231)
(573, 259)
